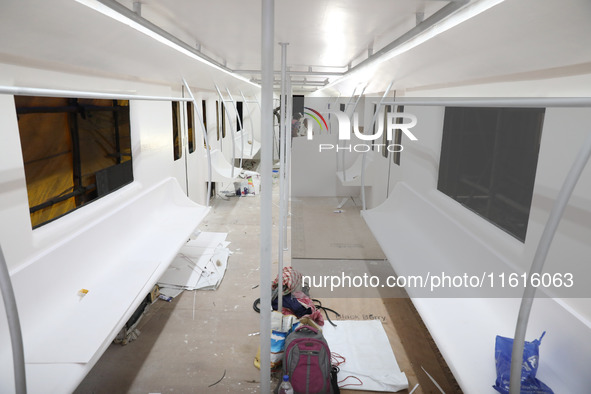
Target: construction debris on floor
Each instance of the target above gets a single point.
(200, 265)
(352, 354)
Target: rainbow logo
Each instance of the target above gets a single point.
(316, 118)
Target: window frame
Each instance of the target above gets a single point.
(99, 146)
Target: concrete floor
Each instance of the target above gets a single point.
(189, 344)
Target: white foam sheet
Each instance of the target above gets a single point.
(200, 264)
(368, 354)
(214, 271)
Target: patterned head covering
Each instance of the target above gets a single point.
(292, 281)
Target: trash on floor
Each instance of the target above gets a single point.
(250, 185)
(200, 264)
(367, 355)
(529, 367)
(222, 378)
(343, 202)
(433, 380)
(130, 332)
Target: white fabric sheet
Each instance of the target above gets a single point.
(368, 354)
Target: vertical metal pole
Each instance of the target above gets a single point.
(390, 156)
(14, 327)
(233, 135)
(373, 121)
(336, 108)
(540, 258)
(239, 126)
(76, 158)
(352, 114)
(137, 8)
(338, 142)
(117, 133)
(341, 156)
(205, 137)
(184, 137)
(282, 142)
(251, 124)
(289, 116)
(267, 37)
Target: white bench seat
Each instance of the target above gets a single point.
(418, 237)
(118, 258)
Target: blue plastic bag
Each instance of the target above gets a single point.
(531, 355)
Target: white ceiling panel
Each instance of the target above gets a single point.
(514, 38)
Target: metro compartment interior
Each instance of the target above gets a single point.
(128, 125)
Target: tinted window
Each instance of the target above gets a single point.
(488, 162)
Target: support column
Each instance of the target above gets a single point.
(14, 327)
(267, 36)
(282, 144)
(288, 138)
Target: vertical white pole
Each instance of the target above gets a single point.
(373, 122)
(288, 117)
(352, 114)
(232, 134)
(267, 37)
(251, 124)
(205, 137)
(239, 126)
(338, 142)
(282, 139)
(14, 327)
(537, 264)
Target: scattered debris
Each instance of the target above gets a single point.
(200, 264)
(433, 380)
(165, 298)
(222, 378)
(130, 332)
(343, 202)
(250, 186)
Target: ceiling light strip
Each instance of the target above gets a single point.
(23, 91)
(431, 27)
(126, 16)
(306, 73)
(496, 102)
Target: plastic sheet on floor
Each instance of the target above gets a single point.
(200, 264)
(368, 356)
